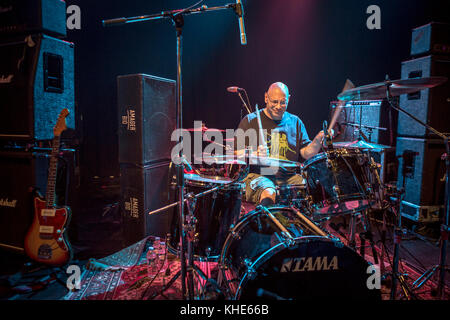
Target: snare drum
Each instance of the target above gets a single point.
(215, 212)
(279, 253)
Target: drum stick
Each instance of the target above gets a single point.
(261, 133)
(347, 86)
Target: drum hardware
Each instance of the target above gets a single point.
(367, 234)
(387, 90)
(395, 194)
(284, 232)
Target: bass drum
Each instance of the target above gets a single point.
(279, 253)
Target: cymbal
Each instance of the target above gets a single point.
(203, 129)
(396, 88)
(360, 145)
(272, 162)
(219, 159)
(253, 160)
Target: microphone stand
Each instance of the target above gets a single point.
(445, 224)
(245, 105)
(178, 21)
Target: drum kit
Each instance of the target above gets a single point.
(285, 251)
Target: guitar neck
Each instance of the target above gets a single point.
(52, 170)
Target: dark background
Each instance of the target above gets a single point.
(313, 46)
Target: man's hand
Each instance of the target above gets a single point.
(261, 152)
(314, 147)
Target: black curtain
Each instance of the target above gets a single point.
(311, 45)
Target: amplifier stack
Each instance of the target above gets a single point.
(146, 118)
(36, 84)
(423, 174)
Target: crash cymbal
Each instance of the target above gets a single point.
(360, 145)
(396, 87)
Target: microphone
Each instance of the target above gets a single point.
(239, 9)
(234, 89)
(238, 91)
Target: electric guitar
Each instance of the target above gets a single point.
(46, 241)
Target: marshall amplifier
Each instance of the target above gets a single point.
(32, 16)
(422, 170)
(36, 82)
(377, 120)
(22, 172)
(432, 38)
(431, 106)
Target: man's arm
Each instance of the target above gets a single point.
(313, 147)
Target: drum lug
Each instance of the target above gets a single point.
(337, 242)
(290, 242)
(251, 273)
(235, 234)
(337, 191)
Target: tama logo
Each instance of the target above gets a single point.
(309, 264)
(133, 207)
(130, 120)
(6, 203)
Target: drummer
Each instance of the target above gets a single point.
(286, 139)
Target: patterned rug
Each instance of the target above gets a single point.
(126, 275)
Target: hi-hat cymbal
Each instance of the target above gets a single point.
(396, 87)
(272, 162)
(359, 144)
(218, 159)
(203, 129)
(253, 160)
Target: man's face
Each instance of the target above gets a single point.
(276, 102)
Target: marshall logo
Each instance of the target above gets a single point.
(309, 264)
(130, 120)
(133, 207)
(7, 79)
(6, 203)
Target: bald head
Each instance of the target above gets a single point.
(276, 98)
(277, 87)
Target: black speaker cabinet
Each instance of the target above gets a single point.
(36, 83)
(33, 16)
(430, 105)
(378, 122)
(143, 189)
(421, 166)
(20, 173)
(432, 38)
(146, 107)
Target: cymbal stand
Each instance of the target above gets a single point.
(445, 223)
(189, 226)
(398, 231)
